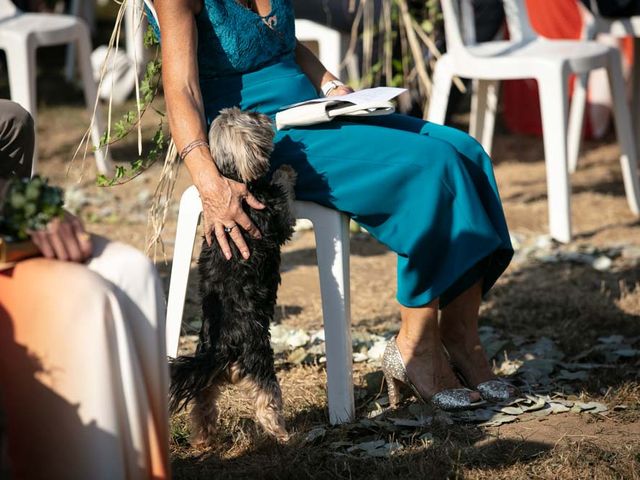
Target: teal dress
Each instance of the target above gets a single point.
(426, 191)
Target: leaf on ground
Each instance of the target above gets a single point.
(567, 375)
(538, 403)
(359, 357)
(409, 422)
(367, 423)
(498, 420)
(583, 366)
(545, 348)
(372, 445)
(298, 356)
(426, 437)
(538, 368)
(377, 350)
(512, 410)
(314, 434)
(481, 415)
(591, 407)
(337, 445)
(376, 448)
(558, 408)
(612, 339)
(542, 413)
(492, 348)
(627, 352)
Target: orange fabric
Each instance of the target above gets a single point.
(46, 344)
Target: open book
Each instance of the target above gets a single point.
(371, 101)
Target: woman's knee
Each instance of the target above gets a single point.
(123, 265)
(465, 144)
(17, 138)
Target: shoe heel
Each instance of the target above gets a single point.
(393, 389)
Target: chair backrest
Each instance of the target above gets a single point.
(460, 27)
(7, 9)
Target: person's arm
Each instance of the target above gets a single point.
(317, 73)
(221, 198)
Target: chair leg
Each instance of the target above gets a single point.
(554, 105)
(332, 243)
(576, 119)
(442, 80)
(484, 105)
(21, 63)
(628, 157)
(635, 101)
(478, 105)
(83, 45)
(135, 27)
(188, 216)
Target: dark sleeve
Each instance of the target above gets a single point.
(17, 139)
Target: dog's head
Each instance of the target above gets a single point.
(241, 143)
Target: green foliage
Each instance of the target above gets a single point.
(128, 122)
(124, 174)
(30, 204)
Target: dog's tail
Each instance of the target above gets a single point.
(191, 376)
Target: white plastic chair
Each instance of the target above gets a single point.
(332, 243)
(21, 34)
(595, 24)
(332, 46)
(550, 62)
(120, 79)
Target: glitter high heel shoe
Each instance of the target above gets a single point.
(496, 390)
(395, 373)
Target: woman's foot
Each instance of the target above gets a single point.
(428, 372)
(467, 355)
(458, 328)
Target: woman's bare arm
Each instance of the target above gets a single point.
(316, 71)
(221, 198)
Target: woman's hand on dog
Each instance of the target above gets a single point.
(222, 207)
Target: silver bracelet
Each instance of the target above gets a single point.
(195, 144)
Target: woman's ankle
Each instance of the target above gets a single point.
(417, 346)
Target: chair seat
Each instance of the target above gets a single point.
(47, 28)
(620, 27)
(505, 59)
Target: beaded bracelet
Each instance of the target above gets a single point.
(195, 144)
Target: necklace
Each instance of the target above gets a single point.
(270, 20)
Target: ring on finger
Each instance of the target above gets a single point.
(228, 229)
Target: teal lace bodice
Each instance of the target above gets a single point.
(233, 39)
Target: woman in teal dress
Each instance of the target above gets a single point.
(426, 191)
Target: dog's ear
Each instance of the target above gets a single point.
(241, 144)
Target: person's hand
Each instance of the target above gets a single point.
(64, 239)
(222, 209)
(341, 90)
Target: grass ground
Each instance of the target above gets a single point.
(565, 300)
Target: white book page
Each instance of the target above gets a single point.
(366, 96)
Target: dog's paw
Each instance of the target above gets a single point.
(282, 437)
(201, 439)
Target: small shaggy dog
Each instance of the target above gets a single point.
(239, 296)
